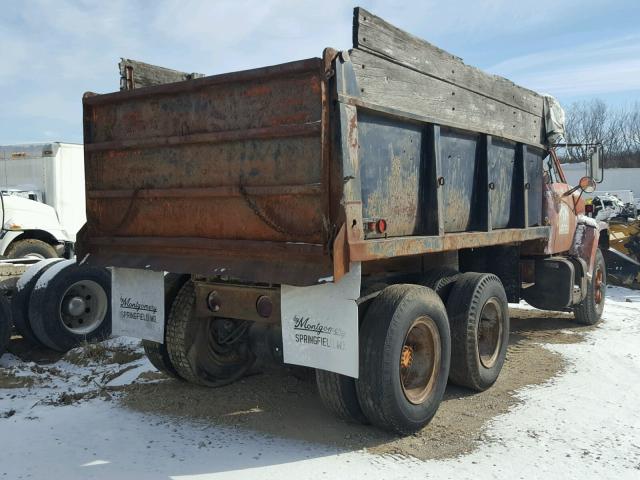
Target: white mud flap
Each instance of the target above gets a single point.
(137, 303)
(320, 324)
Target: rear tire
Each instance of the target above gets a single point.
(479, 318)
(30, 247)
(71, 304)
(22, 297)
(441, 281)
(157, 352)
(5, 323)
(195, 348)
(405, 349)
(339, 396)
(589, 311)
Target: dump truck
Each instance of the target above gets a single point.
(369, 214)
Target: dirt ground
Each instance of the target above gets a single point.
(280, 404)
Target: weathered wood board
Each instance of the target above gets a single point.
(399, 71)
(134, 74)
(394, 86)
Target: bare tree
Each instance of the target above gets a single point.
(618, 129)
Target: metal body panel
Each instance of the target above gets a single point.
(390, 173)
(460, 169)
(560, 216)
(501, 169)
(533, 158)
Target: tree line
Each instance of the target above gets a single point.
(618, 129)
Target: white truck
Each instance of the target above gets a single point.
(43, 199)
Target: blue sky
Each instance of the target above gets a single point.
(51, 52)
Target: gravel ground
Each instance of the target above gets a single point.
(286, 405)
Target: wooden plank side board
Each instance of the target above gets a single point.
(395, 86)
(135, 74)
(375, 35)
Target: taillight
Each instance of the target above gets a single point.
(376, 226)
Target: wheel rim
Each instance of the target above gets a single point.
(83, 307)
(598, 287)
(420, 360)
(39, 256)
(489, 335)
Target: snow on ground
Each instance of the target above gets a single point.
(584, 423)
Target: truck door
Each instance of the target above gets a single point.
(559, 211)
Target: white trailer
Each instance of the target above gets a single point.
(43, 199)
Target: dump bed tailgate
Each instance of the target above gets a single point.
(224, 174)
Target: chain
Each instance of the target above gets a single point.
(127, 216)
(269, 221)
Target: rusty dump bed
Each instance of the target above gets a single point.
(211, 174)
(280, 174)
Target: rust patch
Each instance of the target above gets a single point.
(258, 90)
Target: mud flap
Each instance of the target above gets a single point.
(137, 303)
(320, 324)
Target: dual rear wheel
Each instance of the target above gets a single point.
(410, 344)
(59, 304)
(210, 352)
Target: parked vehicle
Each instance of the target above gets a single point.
(43, 204)
(54, 303)
(368, 214)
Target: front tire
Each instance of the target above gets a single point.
(589, 311)
(30, 247)
(405, 349)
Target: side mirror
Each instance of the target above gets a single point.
(595, 165)
(587, 184)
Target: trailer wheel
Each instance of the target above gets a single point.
(5, 323)
(479, 318)
(441, 281)
(405, 348)
(210, 352)
(339, 396)
(30, 247)
(589, 311)
(22, 296)
(157, 352)
(71, 304)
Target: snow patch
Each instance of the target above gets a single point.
(592, 222)
(32, 271)
(47, 276)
